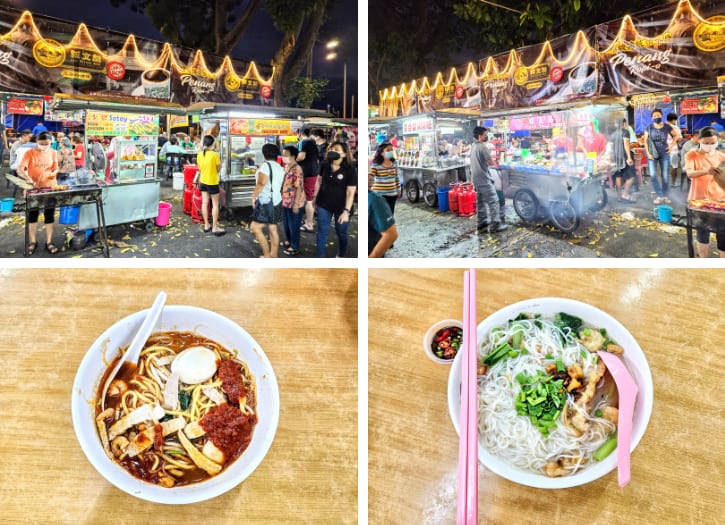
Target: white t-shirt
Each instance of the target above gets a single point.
(277, 178)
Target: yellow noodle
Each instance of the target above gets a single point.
(178, 464)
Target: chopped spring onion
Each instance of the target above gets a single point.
(560, 365)
(598, 413)
(606, 449)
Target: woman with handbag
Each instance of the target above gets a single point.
(293, 199)
(701, 165)
(267, 201)
(208, 179)
(334, 195)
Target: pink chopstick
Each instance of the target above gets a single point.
(468, 443)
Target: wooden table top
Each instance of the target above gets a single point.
(50, 319)
(676, 315)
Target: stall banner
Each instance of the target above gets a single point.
(99, 123)
(25, 106)
(417, 125)
(556, 119)
(668, 47)
(178, 121)
(721, 91)
(698, 105)
(243, 126)
(79, 60)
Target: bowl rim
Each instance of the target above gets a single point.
(643, 405)
(187, 494)
(429, 336)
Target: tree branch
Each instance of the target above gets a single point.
(219, 16)
(235, 33)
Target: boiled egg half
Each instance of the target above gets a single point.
(195, 365)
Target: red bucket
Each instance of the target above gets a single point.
(164, 214)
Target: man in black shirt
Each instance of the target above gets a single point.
(309, 160)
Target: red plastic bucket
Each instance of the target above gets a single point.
(164, 214)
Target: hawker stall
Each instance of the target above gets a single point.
(131, 189)
(556, 163)
(241, 133)
(428, 154)
(704, 213)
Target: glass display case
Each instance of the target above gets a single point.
(135, 159)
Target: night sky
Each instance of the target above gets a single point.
(259, 42)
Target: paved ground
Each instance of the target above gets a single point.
(619, 230)
(181, 238)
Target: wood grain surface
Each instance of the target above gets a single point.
(678, 469)
(304, 320)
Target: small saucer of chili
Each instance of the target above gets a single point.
(443, 340)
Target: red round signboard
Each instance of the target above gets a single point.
(460, 91)
(115, 70)
(265, 91)
(556, 73)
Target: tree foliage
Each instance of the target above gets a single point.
(412, 38)
(189, 23)
(305, 91)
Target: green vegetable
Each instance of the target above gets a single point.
(166, 418)
(541, 399)
(560, 365)
(538, 324)
(499, 353)
(184, 399)
(606, 449)
(517, 339)
(522, 317)
(563, 320)
(586, 332)
(598, 413)
(548, 356)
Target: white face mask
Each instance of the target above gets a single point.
(285, 161)
(43, 147)
(707, 148)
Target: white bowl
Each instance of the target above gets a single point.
(633, 357)
(428, 339)
(202, 322)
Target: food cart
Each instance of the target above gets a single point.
(556, 162)
(132, 189)
(241, 132)
(421, 167)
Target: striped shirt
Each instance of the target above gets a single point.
(384, 181)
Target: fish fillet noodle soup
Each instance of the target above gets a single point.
(547, 404)
(185, 413)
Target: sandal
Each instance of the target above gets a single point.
(291, 251)
(51, 248)
(219, 233)
(207, 230)
(305, 229)
(658, 200)
(31, 248)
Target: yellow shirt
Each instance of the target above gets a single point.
(208, 163)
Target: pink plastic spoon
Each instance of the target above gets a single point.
(627, 394)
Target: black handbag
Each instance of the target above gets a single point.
(264, 213)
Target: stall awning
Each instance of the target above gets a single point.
(239, 111)
(121, 104)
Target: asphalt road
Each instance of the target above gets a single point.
(619, 230)
(181, 238)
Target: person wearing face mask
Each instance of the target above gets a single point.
(293, 199)
(39, 166)
(309, 160)
(383, 175)
(66, 160)
(334, 195)
(267, 201)
(487, 203)
(701, 167)
(658, 153)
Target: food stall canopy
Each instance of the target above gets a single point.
(669, 47)
(43, 55)
(114, 104)
(237, 111)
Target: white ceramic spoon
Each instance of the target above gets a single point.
(627, 389)
(134, 349)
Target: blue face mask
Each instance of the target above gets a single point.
(390, 155)
(657, 120)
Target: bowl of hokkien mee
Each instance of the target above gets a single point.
(547, 405)
(191, 421)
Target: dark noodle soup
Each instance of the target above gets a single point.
(186, 412)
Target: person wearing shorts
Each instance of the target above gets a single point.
(39, 166)
(208, 178)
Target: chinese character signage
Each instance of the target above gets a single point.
(243, 126)
(99, 123)
(24, 106)
(78, 60)
(418, 125)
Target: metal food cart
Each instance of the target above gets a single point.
(241, 132)
(421, 168)
(706, 214)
